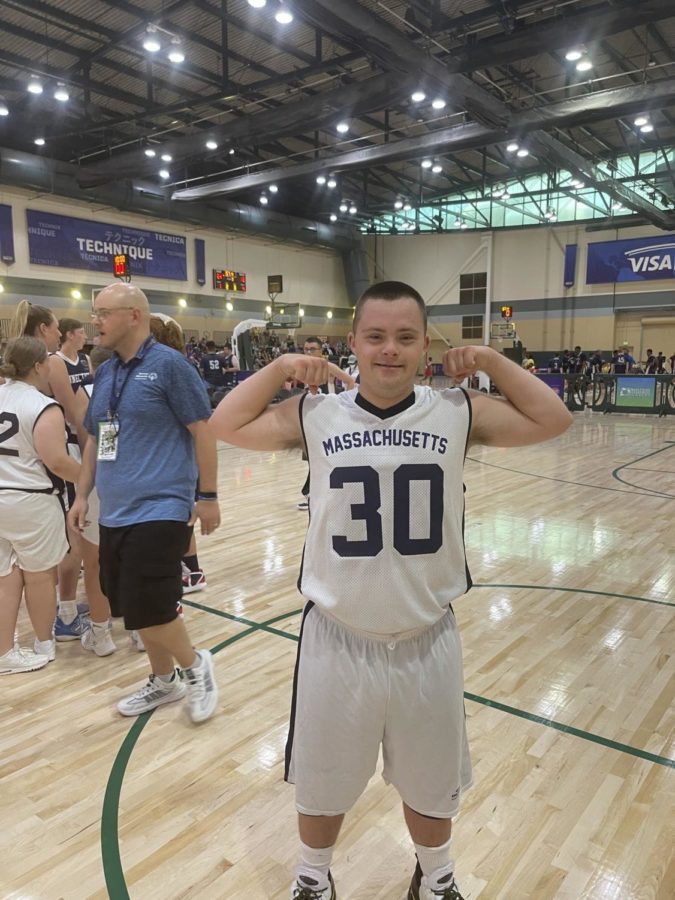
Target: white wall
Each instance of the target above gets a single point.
(311, 276)
(527, 264)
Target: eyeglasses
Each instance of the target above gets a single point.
(103, 313)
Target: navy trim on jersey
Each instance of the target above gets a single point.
(304, 441)
(468, 431)
(48, 406)
(291, 726)
(385, 413)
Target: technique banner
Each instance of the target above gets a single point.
(638, 259)
(55, 240)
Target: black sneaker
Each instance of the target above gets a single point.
(447, 889)
(307, 888)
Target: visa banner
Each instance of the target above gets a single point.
(55, 240)
(638, 259)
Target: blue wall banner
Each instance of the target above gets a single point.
(6, 234)
(200, 261)
(570, 264)
(55, 240)
(638, 259)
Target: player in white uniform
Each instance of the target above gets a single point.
(40, 322)
(379, 658)
(32, 519)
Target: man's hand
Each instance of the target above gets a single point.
(308, 369)
(208, 513)
(461, 362)
(77, 514)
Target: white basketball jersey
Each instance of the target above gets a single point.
(384, 551)
(21, 405)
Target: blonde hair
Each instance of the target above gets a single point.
(28, 318)
(21, 354)
(167, 331)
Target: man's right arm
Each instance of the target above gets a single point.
(244, 417)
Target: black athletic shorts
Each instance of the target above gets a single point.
(140, 571)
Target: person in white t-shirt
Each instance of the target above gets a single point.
(33, 457)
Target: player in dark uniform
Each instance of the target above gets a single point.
(213, 366)
(73, 339)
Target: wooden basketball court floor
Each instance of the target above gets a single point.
(569, 640)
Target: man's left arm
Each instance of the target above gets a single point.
(206, 508)
(528, 411)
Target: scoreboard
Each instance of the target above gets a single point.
(227, 280)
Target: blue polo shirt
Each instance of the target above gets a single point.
(154, 475)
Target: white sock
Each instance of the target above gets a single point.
(316, 858)
(166, 678)
(433, 858)
(67, 611)
(196, 662)
(100, 626)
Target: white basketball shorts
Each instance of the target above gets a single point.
(32, 531)
(353, 693)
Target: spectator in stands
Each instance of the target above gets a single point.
(650, 363)
(620, 362)
(672, 363)
(555, 363)
(579, 361)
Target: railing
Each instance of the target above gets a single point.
(647, 394)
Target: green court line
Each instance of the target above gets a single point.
(110, 851)
(577, 732)
(537, 587)
(632, 463)
(110, 848)
(598, 487)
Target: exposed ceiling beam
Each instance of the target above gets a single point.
(589, 108)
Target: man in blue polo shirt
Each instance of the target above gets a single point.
(148, 447)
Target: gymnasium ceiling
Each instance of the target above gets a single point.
(270, 97)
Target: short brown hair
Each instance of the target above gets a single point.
(20, 356)
(389, 290)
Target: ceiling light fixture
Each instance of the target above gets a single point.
(231, 151)
(61, 93)
(273, 189)
(343, 207)
(439, 103)
(426, 163)
(150, 153)
(182, 302)
(211, 145)
(512, 147)
(320, 179)
(264, 199)
(4, 109)
(640, 121)
(176, 54)
(407, 207)
(167, 157)
(164, 173)
(464, 225)
(398, 204)
(418, 97)
(39, 141)
(342, 127)
(523, 152)
(34, 86)
(228, 306)
(333, 217)
(329, 314)
(437, 169)
(257, 4)
(284, 16)
(331, 183)
(573, 54)
(584, 65)
(75, 294)
(151, 41)
(352, 210)
(301, 312)
(647, 128)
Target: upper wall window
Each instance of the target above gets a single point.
(473, 288)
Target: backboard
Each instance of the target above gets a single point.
(502, 331)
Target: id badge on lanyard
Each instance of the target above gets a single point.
(107, 442)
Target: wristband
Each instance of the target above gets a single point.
(206, 495)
